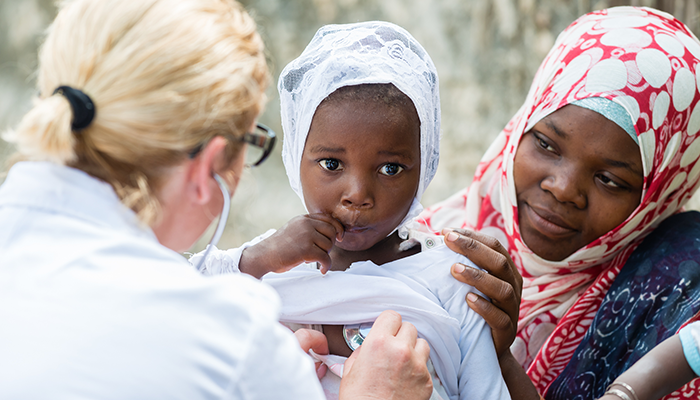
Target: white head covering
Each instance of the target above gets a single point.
(355, 54)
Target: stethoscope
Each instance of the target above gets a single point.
(222, 219)
(356, 334)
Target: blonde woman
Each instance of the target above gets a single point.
(133, 147)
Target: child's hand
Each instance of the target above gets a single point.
(306, 238)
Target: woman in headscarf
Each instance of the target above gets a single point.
(584, 189)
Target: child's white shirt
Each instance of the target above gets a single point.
(419, 287)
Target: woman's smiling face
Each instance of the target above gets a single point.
(577, 176)
(361, 165)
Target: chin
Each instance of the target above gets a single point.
(351, 243)
(547, 248)
(353, 246)
(550, 253)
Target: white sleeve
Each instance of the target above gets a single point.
(480, 375)
(225, 261)
(276, 368)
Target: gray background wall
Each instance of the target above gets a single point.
(486, 53)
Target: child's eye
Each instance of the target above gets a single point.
(390, 169)
(330, 164)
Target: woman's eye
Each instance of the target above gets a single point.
(390, 169)
(330, 164)
(609, 182)
(544, 144)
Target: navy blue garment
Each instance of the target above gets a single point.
(656, 291)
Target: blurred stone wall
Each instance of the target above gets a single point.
(486, 53)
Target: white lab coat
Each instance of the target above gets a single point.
(93, 307)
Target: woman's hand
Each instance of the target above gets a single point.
(305, 238)
(503, 283)
(390, 364)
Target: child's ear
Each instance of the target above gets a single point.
(202, 180)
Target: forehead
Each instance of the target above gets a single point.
(376, 93)
(364, 124)
(594, 136)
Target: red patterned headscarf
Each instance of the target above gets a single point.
(649, 63)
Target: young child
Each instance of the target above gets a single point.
(361, 117)
(667, 367)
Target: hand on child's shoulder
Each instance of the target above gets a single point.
(305, 238)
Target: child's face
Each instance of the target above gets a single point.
(361, 165)
(577, 176)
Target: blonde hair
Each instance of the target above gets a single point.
(164, 75)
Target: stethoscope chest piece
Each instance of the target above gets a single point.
(355, 334)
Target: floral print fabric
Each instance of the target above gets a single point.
(646, 61)
(655, 294)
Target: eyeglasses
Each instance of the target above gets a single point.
(261, 141)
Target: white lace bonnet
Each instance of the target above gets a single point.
(354, 54)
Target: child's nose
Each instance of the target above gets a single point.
(567, 186)
(358, 193)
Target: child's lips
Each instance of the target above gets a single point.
(355, 229)
(350, 221)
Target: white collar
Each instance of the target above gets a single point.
(65, 190)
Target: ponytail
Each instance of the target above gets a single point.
(44, 133)
(164, 76)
